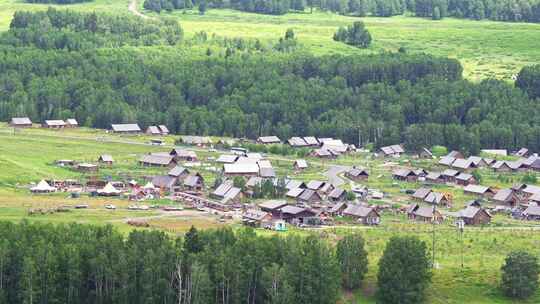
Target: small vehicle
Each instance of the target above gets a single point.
(110, 207)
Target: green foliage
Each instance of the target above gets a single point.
(353, 260)
(528, 80)
(239, 182)
(477, 176)
(520, 275)
(70, 30)
(439, 151)
(404, 271)
(529, 178)
(356, 35)
(350, 196)
(58, 1)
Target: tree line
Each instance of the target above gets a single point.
(58, 1)
(271, 7)
(44, 263)
(70, 30)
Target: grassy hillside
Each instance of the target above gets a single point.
(486, 49)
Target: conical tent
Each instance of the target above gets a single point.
(149, 186)
(109, 189)
(42, 187)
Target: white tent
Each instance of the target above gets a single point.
(109, 190)
(149, 186)
(43, 187)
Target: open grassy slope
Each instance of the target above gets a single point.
(486, 49)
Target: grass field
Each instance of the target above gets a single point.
(486, 49)
(28, 156)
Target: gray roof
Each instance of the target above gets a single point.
(434, 198)
(470, 212)
(271, 205)
(72, 122)
(311, 140)
(21, 121)
(241, 168)
(163, 181)
(532, 210)
(301, 163)
(196, 140)
(315, 185)
(450, 172)
(232, 193)
(55, 122)
(269, 139)
(253, 181)
(177, 171)
(522, 152)
(126, 127)
(292, 210)
(357, 172)
(307, 194)
(255, 215)
(462, 163)
(294, 192)
(447, 160)
(336, 193)
(478, 189)
(297, 142)
(403, 172)
(294, 184)
(182, 153)
(357, 210)
(153, 130)
(106, 158)
(267, 172)
(163, 129)
(503, 195)
(433, 175)
(424, 211)
(421, 193)
(222, 189)
(464, 176)
(227, 158)
(156, 159)
(192, 180)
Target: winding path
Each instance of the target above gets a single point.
(132, 7)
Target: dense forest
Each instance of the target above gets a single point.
(65, 29)
(58, 1)
(498, 10)
(383, 99)
(90, 264)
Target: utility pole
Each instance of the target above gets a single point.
(433, 235)
(461, 225)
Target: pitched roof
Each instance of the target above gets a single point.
(164, 181)
(424, 211)
(447, 160)
(450, 172)
(462, 163)
(421, 193)
(297, 142)
(72, 122)
(307, 194)
(532, 210)
(196, 140)
(271, 205)
(357, 172)
(433, 175)
(177, 171)
(183, 153)
(434, 198)
(163, 129)
(292, 210)
(21, 121)
(222, 189)
(126, 127)
(157, 159)
(109, 189)
(311, 141)
(464, 176)
(470, 212)
(237, 168)
(503, 195)
(192, 180)
(153, 130)
(267, 172)
(253, 181)
(227, 158)
(455, 154)
(295, 184)
(255, 215)
(106, 158)
(269, 139)
(294, 192)
(301, 163)
(358, 211)
(315, 185)
(55, 122)
(336, 193)
(478, 189)
(403, 172)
